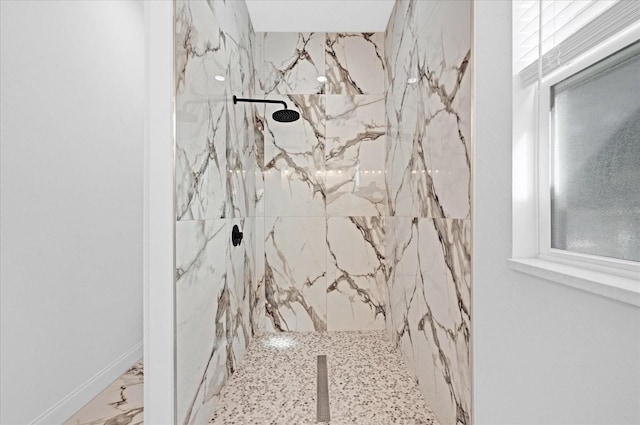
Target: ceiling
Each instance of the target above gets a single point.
(320, 15)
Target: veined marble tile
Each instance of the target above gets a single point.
(249, 243)
(404, 278)
(407, 188)
(120, 403)
(354, 154)
(294, 158)
(403, 249)
(201, 113)
(429, 110)
(201, 163)
(258, 299)
(292, 63)
(401, 58)
(430, 309)
(258, 126)
(448, 164)
(240, 82)
(239, 277)
(391, 138)
(202, 307)
(295, 274)
(258, 60)
(254, 181)
(237, 26)
(256, 137)
(411, 190)
(444, 52)
(405, 185)
(355, 63)
(240, 122)
(442, 317)
(389, 243)
(356, 284)
(240, 165)
(200, 47)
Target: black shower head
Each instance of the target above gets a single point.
(285, 115)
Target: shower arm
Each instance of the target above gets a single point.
(239, 99)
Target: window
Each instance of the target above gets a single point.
(576, 153)
(595, 159)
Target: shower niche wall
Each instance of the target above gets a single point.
(356, 217)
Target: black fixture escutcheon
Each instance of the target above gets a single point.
(236, 235)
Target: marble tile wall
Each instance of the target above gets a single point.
(323, 196)
(428, 181)
(218, 301)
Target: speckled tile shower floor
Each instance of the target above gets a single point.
(368, 382)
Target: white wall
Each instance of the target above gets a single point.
(543, 353)
(72, 162)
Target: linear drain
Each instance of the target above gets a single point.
(323, 390)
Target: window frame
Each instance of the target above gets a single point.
(531, 199)
(545, 161)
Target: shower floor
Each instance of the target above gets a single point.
(368, 382)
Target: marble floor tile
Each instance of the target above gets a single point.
(368, 382)
(120, 403)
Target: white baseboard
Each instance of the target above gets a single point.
(65, 408)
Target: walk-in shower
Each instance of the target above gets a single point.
(350, 184)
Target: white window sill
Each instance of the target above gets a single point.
(619, 288)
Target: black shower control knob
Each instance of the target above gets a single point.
(236, 235)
